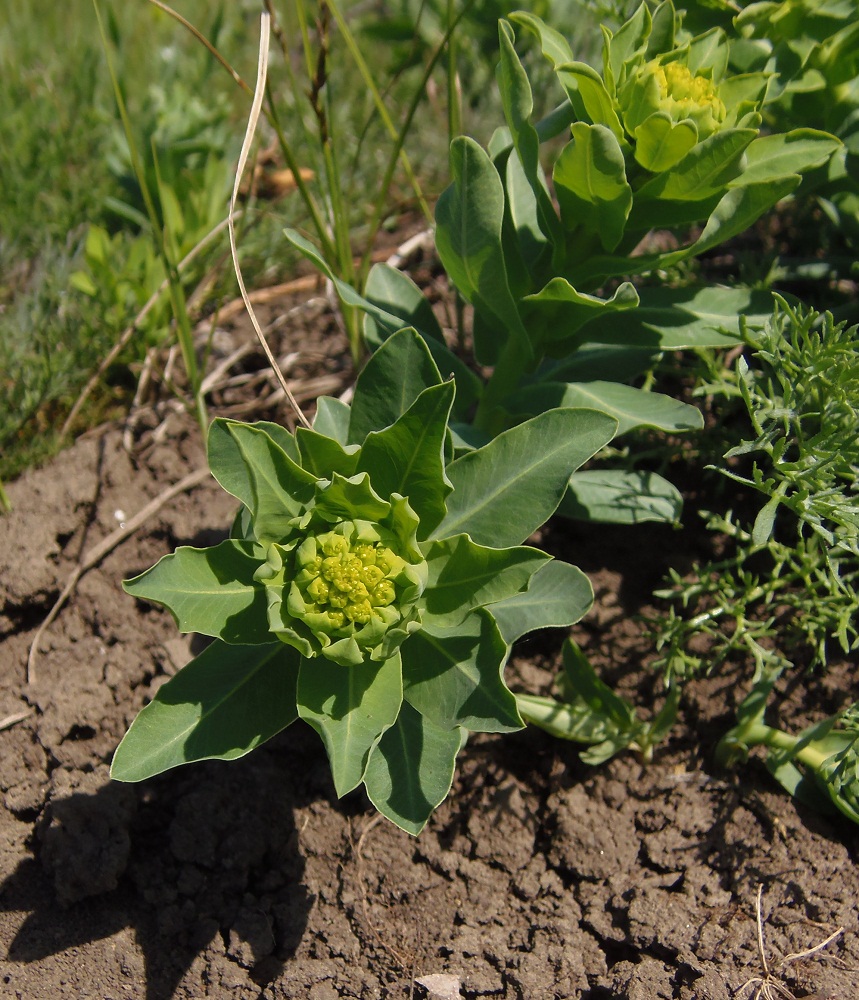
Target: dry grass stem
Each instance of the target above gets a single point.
(767, 986)
(256, 107)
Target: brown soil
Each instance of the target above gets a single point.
(538, 878)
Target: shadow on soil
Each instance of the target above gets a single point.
(204, 860)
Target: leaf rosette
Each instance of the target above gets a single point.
(665, 136)
(372, 586)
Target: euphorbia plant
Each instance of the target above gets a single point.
(370, 586)
(663, 138)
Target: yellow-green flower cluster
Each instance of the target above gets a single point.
(688, 95)
(347, 580)
(346, 589)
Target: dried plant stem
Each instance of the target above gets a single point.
(15, 718)
(99, 551)
(766, 986)
(259, 92)
(203, 40)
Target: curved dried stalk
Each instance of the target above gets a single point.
(256, 107)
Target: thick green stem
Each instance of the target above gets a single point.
(756, 733)
(514, 360)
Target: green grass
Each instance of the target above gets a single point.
(65, 167)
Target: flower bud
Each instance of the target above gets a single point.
(346, 589)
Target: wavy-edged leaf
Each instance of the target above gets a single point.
(559, 595)
(777, 157)
(618, 496)
(464, 575)
(221, 705)
(350, 708)
(322, 456)
(504, 491)
(680, 318)
(410, 770)
(558, 311)
(211, 591)
(279, 487)
(390, 382)
(408, 457)
(344, 499)
(453, 676)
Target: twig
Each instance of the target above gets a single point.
(265, 24)
(767, 986)
(13, 720)
(99, 551)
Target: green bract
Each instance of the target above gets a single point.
(372, 585)
(346, 589)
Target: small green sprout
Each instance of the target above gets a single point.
(819, 766)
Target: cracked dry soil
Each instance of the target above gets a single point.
(538, 878)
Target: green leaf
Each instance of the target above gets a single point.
(385, 320)
(680, 318)
(407, 457)
(558, 311)
(735, 212)
(629, 406)
(344, 499)
(350, 708)
(395, 292)
(322, 456)
(555, 47)
(411, 769)
(464, 576)
(629, 40)
(524, 230)
(211, 591)
(517, 100)
(585, 86)
(616, 496)
(225, 458)
(559, 595)
(778, 157)
(399, 295)
(582, 679)
(504, 491)
(280, 488)
(702, 174)
(469, 218)
(660, 144)
(332, 418)
(390, 382)
(222, 705)
(452, 676)
(591, 185)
